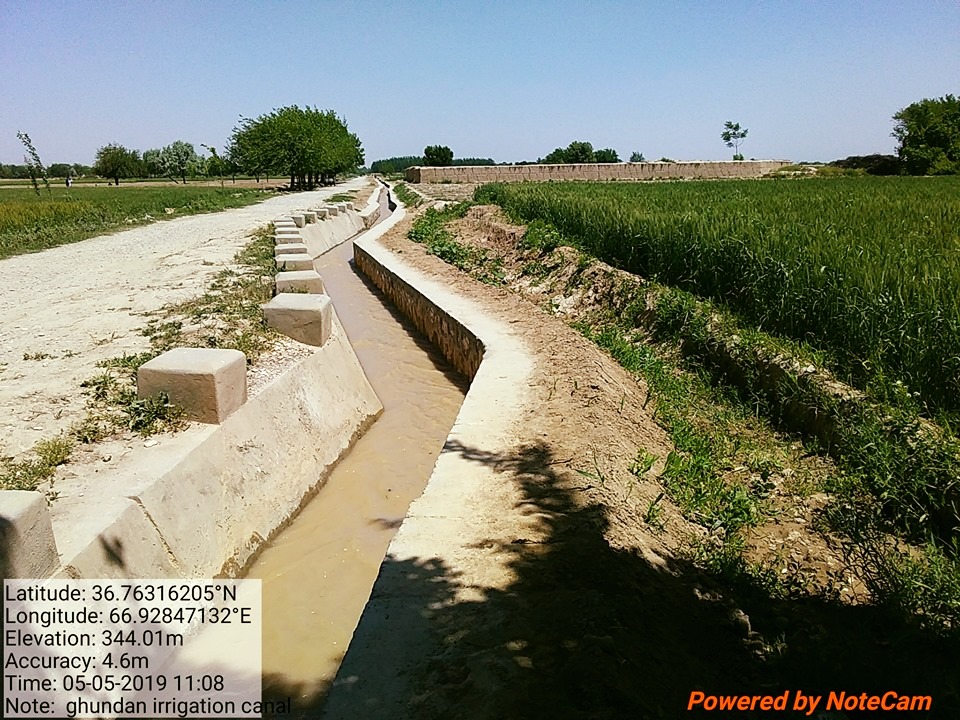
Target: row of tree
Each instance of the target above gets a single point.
(928, 133)
(312, 146)
(394, 165)
(55, 170)
(308, 145)
(579, 152)
(177, 160)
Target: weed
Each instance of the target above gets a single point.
(597, 473)
(541, 236)
(130, 363)
(53, 452)
(430, 229)
(652, 516)
(105, 340)
(643, 463)
(228, 315)
(37, 356)
(407, 196)
(89, 430)
(29, 473)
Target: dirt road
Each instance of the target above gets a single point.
(66, 308)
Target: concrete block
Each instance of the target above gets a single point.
(298, 219)
(306, 318)
(283, 220)
(309, 216)
(287, 230)
(29, 549)
(289, 249)
(349, 206)
(295, 262)
(208, 384)
(322, 213)
(287, 239)
(342, 207)
(333, 210)
(300, 281)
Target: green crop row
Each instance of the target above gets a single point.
(29, 223)
(867, 269)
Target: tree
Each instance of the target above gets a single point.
(389, 166)
(33, 163)
(929, 135)
(60, 170)
(151, 163)
(579, 152)
(437, 156)
(606, 155)
(177, 158)
(216, 166)
(114, 161)
(247, 147)
(875, 164)
(307, 144)
(637, 156)
(557, 157)
(733, 136)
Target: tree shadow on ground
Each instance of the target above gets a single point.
(587, 630)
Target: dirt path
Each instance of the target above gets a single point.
(66, 308)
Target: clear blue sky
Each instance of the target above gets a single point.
(509, 80)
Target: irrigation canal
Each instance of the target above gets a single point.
(318, 572)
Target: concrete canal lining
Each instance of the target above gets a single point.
(203, 506)
(318, 572)
(465, 502)
(201, 503)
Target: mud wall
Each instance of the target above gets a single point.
(595, 171)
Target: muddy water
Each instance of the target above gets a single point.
(318, 573)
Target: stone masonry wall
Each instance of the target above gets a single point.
(460, 346)
(595, 171)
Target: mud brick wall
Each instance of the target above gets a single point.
(595, 171)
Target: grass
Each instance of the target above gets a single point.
(867, 269)
(29, 223)
(430, 229)
(884, 488)
(228, 315)
(29, 473)
(407, 196)
(342, 197)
